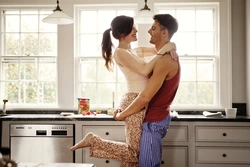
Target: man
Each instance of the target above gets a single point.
(158, 94)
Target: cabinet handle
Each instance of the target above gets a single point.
(224, 134)
(107, 133)
(162, 162)
(224, 155)
(107, 161)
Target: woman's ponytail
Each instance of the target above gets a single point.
(107, 49)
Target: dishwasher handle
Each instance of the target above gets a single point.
(41, 132)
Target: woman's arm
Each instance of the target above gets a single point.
(126, 59)
(150, 51)
(167, 48)
(146, 51)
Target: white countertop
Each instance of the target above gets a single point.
(30, 164)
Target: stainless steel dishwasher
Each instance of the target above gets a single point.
(41, 143)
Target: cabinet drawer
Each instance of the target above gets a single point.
(100, 162)
(239, 155)
(223, 134)
(174, 157)
(116, 133)
(176, 133)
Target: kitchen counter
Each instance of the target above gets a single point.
(24, 164)
(105, 117)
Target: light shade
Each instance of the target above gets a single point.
(58, 17)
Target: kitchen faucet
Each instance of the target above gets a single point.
(4, 106)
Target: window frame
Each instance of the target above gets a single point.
(20, 58)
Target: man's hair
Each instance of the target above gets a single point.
(168, 22)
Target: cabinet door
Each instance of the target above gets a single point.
(230, 155)
(223, 133)
(116, 133)
(177, 133)
(100, 162)
(174, 157)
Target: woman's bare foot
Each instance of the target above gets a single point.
(85, 142)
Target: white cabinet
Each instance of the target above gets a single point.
(222, 145)
(115, 133)
(175, 156)
(172, 156)
(223, 133)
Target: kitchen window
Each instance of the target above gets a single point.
(28, 58)
(202, 44)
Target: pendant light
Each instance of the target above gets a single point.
(58, 17)
(144, 15)
(145, 8)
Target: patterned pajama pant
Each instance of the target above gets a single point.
(127, 152)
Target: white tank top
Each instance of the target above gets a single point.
(135, 82)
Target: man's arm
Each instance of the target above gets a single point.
(160, 71)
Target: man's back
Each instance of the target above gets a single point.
(159, 106)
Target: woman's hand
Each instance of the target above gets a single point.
(117, 115)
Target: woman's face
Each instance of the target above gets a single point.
(132, 36)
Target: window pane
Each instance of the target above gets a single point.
(88, 21)
(87, 70)
(104, 20)
(186, 94)
(206, 69)
(28, 92)
(11, 90)
(47, 69)
(29, 44)
(29, 23)
(205, 43)
(48, 44)
(204, 24)
(188, 69)
(184, 23)
(89, 90)
(12, 44)
(205, 93)
(10, 68)
(89, 45)
(106, 94)
(12, 23)
(28, 69)
(47, 93)
(185, 42)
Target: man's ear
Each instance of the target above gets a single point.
(165, 32)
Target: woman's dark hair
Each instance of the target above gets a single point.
(167, 21)
(121, 26)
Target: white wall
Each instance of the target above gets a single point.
(248, 54)
(238, 52)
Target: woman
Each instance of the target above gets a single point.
(136, 71)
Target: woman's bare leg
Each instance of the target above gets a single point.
(85, 142)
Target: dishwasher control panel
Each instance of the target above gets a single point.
(41, 130)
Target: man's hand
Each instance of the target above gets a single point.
(117, 115)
